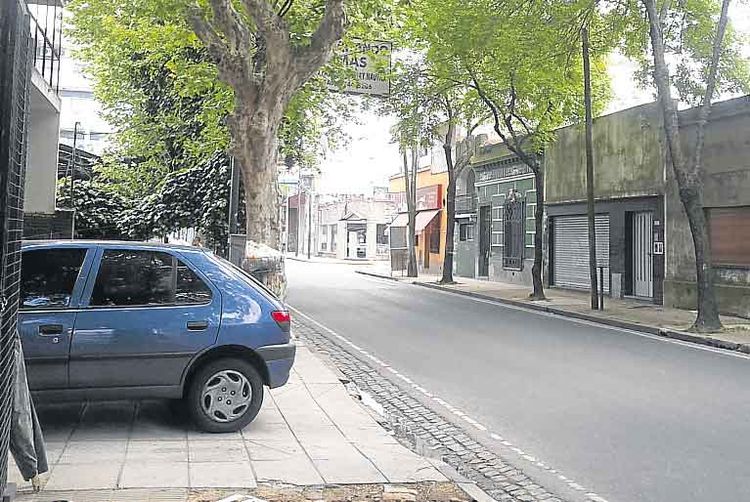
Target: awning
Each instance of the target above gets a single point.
(423, 219)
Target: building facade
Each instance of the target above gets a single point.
(506, 200)
(726, 199)
(431, 221)
(355, 226)
(629, 163)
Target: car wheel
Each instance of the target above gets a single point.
(225, 395)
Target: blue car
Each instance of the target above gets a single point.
(110, 320)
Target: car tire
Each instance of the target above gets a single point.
(225, 395)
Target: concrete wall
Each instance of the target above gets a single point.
(726, 177)
(41, 166)
(628, 157)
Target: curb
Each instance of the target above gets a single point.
(652, 330)
(332, 261)
(617, 323)
(379, 276)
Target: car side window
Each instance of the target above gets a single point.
(146, 278)
(129, 277)
(48, 277)
(191, 289)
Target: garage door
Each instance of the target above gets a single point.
(570, 267)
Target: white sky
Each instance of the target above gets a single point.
(370, 158)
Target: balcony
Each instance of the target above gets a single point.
(46, 23)
(466, 203)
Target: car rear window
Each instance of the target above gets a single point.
(247, 277)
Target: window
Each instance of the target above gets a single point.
(190, 289)
(435, 235)
(48, 277)
(466, 232)
(730, 236)
(382, 235)
(135, 277)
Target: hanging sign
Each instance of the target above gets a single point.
(370, 61)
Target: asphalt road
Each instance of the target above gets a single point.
(630, 417)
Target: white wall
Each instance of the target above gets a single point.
(41, 165)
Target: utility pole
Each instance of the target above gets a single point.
(299, 220)
(590, 168)
(309, 223)
(74, 165)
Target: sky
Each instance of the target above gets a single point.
(370, 158)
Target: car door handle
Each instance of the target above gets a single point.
(50, 329)
(197, 325)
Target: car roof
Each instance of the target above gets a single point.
(129, 244)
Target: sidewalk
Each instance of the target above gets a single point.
(625, 313)
(325, 259)
(309, 432)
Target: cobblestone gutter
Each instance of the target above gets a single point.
(425, 431)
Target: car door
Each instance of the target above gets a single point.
(145, 314)
(52, 280)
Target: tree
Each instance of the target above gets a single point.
(416, 123)
(688, 172)
(99, 213)
(266, 51)
(196, 198)
(522, 65)
(160, 86)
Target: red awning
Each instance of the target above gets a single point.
(423, 219)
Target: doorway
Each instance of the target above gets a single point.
(642, 254)
(485, 234)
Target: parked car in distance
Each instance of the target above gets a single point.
(125, 320)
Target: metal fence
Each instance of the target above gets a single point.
(15, 65)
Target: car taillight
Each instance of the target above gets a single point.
(282, 318)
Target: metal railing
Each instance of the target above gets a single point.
(466, 203)
(46, 42)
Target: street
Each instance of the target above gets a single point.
(630, 417)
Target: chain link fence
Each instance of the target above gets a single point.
(15, 66)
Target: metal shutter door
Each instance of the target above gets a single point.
(571, 251)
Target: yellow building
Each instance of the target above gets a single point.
(431, 218)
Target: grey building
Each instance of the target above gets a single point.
(644, 241)
(629, 162)
(495, 217)
(726, 179)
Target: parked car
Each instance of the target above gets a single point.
(110, 320)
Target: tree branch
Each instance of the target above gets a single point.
(705, 108)
(228, 21)
(310, 58)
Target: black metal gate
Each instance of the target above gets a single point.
(15, 65)
(514, 233)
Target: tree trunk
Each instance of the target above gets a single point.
(536, 269)
(450, 226)
(591, 210)
(689, 183)
(258, 161)
(450, 208)
(255, 149)
(411, 207)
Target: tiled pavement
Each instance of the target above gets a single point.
(308, 432)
